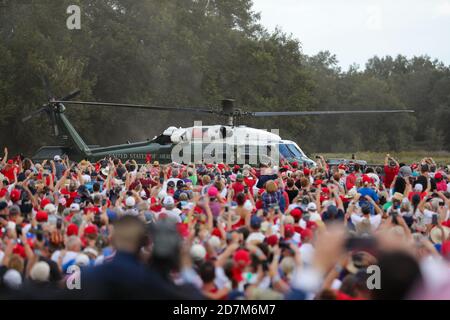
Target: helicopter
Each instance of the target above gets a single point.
(224, 143)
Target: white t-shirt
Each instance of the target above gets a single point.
(70, 255)
(173, 214)
(258, 236)
(428, 216)
(307, 253)
(315, 216)
(374, 220)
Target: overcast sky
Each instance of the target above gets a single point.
(356, 30)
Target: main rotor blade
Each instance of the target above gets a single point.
(32, 114)
(71, 95)
(318, 113)
(137, 106)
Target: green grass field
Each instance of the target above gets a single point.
(441, 157)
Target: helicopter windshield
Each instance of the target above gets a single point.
(285, 151)
(297, 153)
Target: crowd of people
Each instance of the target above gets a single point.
(123, 230)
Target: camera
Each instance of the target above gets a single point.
(18, 230)
(59, 224)
(434, 219)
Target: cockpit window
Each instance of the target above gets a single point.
(285, 152)
(295, 151)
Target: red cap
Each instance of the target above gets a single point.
(20, 250)
(15, 195)
(72, 230)
(438, 175)
(221, 166)
(41, 216)
(242, 256)
(306, 171)
(210, 165)
(294, 164)
(296, 213)
(311, 225)
(45, 202)
(91, 229)
(366, 179)
(306, 234)
(3, 192)
(325, 190)
(237, 167)
(10, 161)
(318, 182)
(272, 240)
(289, 230)
(342, 166)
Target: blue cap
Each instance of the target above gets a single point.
(255, 222)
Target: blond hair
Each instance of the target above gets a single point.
(271, 186)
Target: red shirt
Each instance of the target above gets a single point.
(9, 173)
(237, 187)
(250, 182)
(350, 181)
(412, 193)
(441, 186)
(389, 175)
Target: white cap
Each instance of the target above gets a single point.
(90, 250)
(198, 252)
(57, 158)
(12, 279)
(214, 242)
(161, 195)
(130, 202)
(74, 207)
(40, 272)
(86, 178)
(82, 260)
(168, 200)
(311, 206)
(418, 187)
(50, 208)
(248, 205)
(142, 194)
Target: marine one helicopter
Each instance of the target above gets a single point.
(229, 143)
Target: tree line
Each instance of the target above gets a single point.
(194, 53)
